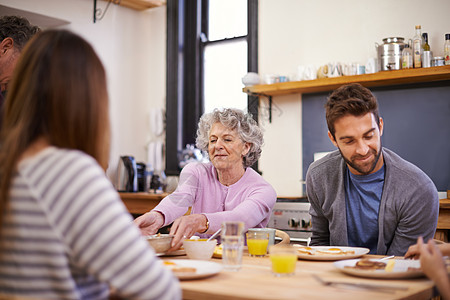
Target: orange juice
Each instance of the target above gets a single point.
(283, 263)
(257, 247)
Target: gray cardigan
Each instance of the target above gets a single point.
(409, 205)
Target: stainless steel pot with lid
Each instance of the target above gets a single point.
(390, 53)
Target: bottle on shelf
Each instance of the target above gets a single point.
(447, 49)
(417, 47)
(426, 55)
(407, 57)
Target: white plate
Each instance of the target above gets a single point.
(178, 252)
(399, 271)
(358, 252)
(203, 268)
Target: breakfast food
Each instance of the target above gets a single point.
(218, 251)
(383, 267)
(367, 264)
(179, 269)
(306, 250)
(326, 251)
(390, 265)
(334, 251)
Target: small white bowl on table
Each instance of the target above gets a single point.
(160, 242)
(199, 248)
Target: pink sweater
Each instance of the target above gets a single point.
(249, 200)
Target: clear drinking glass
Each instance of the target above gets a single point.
(284, 259)
(232, 245)
(257, 242)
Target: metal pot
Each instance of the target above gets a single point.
(390, 53)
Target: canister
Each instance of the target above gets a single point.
(390, 53)
(437, 61)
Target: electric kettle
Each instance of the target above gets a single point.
(127, 175)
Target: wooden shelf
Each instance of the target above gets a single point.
(384, 78)
(139, 4)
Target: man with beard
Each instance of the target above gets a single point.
(15, 32)
(362, 194)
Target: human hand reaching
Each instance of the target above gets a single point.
(186, 226)
(431, 260)
(150, 222)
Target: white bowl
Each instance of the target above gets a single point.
(199, 248)
(250, 78)
(160, 242)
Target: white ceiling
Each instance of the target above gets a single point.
(35, 19)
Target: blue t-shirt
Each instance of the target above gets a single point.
(362, 201)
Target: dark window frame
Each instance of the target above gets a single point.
(184, 96)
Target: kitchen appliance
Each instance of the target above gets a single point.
(141, 170)
(127, 175)
(390, 53)
(291, 215)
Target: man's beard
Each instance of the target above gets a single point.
(362, 169)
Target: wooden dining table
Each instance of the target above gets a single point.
(255, 281)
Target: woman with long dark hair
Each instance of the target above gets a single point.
(65, 234)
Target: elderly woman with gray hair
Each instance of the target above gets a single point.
(224, 189)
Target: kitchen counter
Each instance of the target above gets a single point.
(443, 226)
(140, 203)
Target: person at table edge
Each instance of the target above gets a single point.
(224, 189)
(64, 233)
(364, 194)
(15, 32)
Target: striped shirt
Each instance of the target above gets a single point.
(68, 235)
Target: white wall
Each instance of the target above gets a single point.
(301, 32)
(132, 46)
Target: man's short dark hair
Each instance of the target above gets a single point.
(17, 28)
(351, 99)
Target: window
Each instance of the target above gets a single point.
(211, 45)
(224, 56)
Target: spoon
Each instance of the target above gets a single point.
(386, 258)
(214, 235)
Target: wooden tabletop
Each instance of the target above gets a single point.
(255, 281)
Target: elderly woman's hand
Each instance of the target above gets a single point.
(150, 222)
(186, 226)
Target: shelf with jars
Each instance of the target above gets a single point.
(139, 4)
(383, 78)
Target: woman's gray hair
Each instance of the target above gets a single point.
(234, 119)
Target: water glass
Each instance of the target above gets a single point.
(257, 242)
(232, 245)
(284, 259)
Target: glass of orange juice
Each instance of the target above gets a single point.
(257, 242)
(284, 259)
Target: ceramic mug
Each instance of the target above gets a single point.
(372, 65)
(310, 73)
(349, 69)
(361, 69)
(307, 72)
(334, 70)
(300, 72)
(322, 72)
